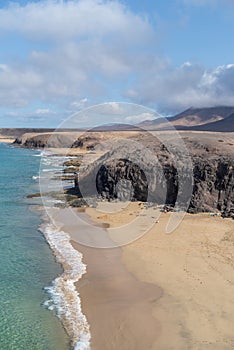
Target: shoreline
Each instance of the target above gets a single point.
(116, 303)
(194, 269)
(62, 294)
(108, 288)
(64, 298)
(95, 287)
(120, 289)
(6, 140)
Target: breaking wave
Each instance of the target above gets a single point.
(64, 298)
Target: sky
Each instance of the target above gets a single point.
(59, 57)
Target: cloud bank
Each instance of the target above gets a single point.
(187, 85)
(98, 50)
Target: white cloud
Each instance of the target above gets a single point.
(98, 48)
(79, 104)
(140, 117)
(111, 108)
(85, 47)
(188, 85)
(56, 20)
(43, 111)
(18, 85)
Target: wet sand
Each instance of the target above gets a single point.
(117, 305)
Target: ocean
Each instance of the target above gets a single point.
(27, 264)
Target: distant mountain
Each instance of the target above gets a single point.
(114, 127)
(193, 118)
(224, 125)
(199, 116)
(16, 132)
(155, 122)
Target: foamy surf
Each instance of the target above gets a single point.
(64, 296)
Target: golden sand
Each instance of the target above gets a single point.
(195, 268)
(192, 271)
(6, 139)
(162, 291)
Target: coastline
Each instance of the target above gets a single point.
(6, 139)
(158, 281)
(27, 263)
(168, 282)
(114, 301)
(64, 298)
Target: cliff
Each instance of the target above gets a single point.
(150, 173)
(139, 176)
(62, 139)
(213, 185)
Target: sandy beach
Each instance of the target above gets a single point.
(194, 267)
(161, 291)
(6, 139)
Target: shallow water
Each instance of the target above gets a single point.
(26, 261)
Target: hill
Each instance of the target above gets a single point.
(193, 118)
(224, 125)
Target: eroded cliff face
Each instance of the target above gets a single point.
(209, 189)
(131, 172)
(122, 179)
(213, 188)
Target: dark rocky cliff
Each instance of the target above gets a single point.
(122, 179)
(213, 188)
(212, 181)
(133, 173)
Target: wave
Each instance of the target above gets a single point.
(37, 155)
(64, 298)
(51, 170)
(56, 201)
(41, 154)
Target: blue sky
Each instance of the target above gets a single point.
(57, 58)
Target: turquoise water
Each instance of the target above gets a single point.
(26, 262)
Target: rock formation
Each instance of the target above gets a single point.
(164, 181)
(152, 172)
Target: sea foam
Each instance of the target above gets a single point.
(64, 297)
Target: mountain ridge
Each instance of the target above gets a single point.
(194, 119)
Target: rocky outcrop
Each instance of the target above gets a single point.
(123, 180)
(151, 173)
(210, 187)
(213, 186)
(37, 141)
(43, 140)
